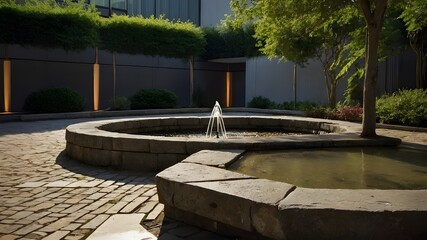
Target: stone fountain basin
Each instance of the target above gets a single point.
(201, 192)
(112, 142)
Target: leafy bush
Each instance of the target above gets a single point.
(317, 112)
(54, 100)
(349, 113)
(151, 36)
(120, 103)
(70, 24)
(302, 106)
(153, 98)
(408, 107)
(261, 102)
(342, 112)
(226, 42)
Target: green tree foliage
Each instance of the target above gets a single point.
(298, 30)
(70, 25)
(301, 30)
(226, 42)
(414, 14)
(151, 36)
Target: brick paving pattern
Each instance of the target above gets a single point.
(45, 195)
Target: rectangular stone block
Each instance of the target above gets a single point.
(354, 214)
(131, 144)
(187, 172)
(233, 122)
(188, 122)
(260, 122)
(196, 145)
(166, 160)
(74, 151)
(230, 202)
(145, 162)
(97, 157)
(70, 136)
(172, 145)
(220, 158)
(88, 140)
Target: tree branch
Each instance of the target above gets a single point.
(366, 10)
(380, 7)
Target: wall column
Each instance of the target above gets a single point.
(96, 82)
(6, 85)
(228, 82)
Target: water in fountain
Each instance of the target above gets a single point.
(216, 120)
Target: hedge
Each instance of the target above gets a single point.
(407, 107)
(54, 100)
(151, 36)
(69, 26)
(225, 42)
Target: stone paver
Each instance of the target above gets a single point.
(45, 195)
(122, 226)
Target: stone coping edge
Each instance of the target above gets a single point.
(239, 205)
(12, 117)
(111, 142)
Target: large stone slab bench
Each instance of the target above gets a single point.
(202, 192)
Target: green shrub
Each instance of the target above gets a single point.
(226, 42)
(342, 112)
(151, 36)
(54, 100)
(317, 112)
(120, 103)
(153, 98)
(70, 24)
(349, 113)
(302, 106)
(261, 102)
(407, 107)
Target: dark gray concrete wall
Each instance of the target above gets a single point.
(29, 76)
(34, 69)
(1, 87)
(238, 89)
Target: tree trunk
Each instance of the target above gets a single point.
(418, 70)
(374, 21)
(333, 96)
(370, 83)
(331, 85)
(416, 47)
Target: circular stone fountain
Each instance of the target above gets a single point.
(201, 191)
(119, 143)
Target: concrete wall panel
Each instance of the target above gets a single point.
(30, 76)
(211, 86)
(212, 12)
(274, 80)
(1, 86)
(238, 89)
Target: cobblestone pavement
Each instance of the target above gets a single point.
(45, 195)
